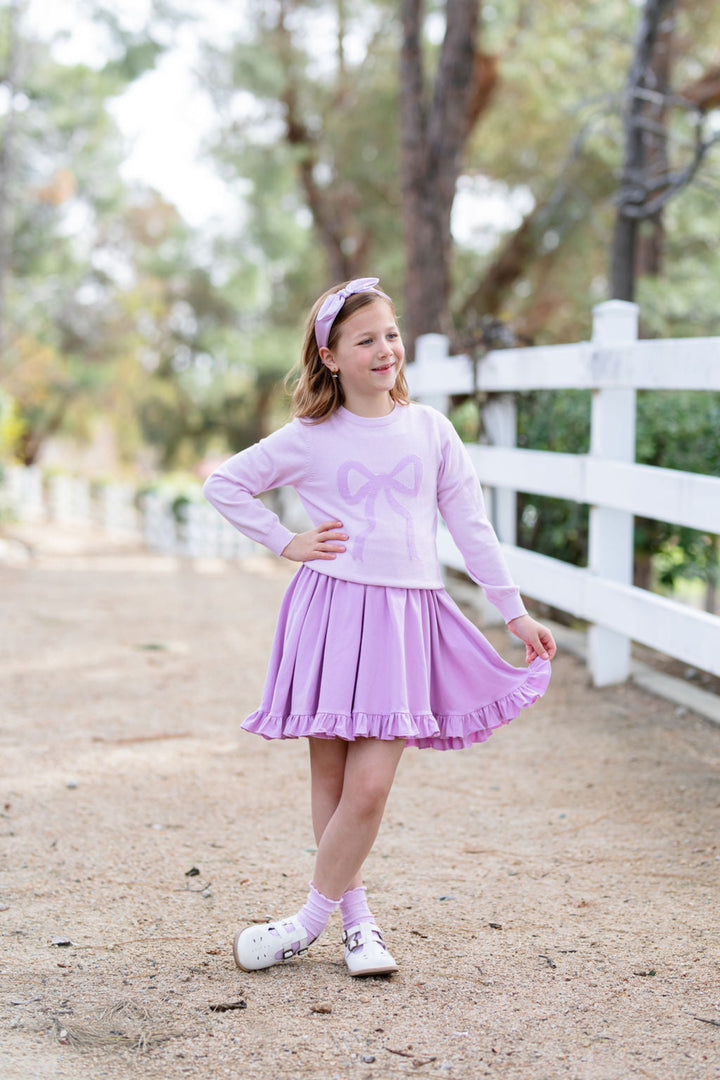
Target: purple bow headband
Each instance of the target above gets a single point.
(332, 304)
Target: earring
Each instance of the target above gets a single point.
(334, 374)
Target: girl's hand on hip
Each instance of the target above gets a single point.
(539, 642)
(318, 543)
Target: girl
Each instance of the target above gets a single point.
(370, 653)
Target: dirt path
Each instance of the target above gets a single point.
(552, 896)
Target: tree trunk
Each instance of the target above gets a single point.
(622, 271)
(704, 93)
(642, 570)
(504, 271)
(331, 206)
(651, 239)
(642, 153)
(433, 137)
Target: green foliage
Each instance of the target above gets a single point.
(112, 306)
(675, 430)
(553, 129)
(289, 97)
(11, 427)
(286, 104)
(62, 166)
(683, 301)
(679, 431)
(689, 554)
(554, 420)
(558, 421)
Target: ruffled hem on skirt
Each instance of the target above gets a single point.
(356, 661)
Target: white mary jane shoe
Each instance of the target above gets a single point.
(266, 944)
(365, 952)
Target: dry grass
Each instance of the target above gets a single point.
(123, 1025)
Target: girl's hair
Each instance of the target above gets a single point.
(317, 394)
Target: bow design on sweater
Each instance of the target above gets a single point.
(356, 484)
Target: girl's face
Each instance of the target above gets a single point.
(367, 356)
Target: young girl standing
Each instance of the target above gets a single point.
(370, 655)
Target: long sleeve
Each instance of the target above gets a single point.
(281, 458)
(462, 506)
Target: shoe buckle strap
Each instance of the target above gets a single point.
(289, 952)
(356, 941)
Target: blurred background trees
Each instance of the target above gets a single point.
(489, 161)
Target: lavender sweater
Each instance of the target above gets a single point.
(385, 479)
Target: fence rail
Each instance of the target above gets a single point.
(677, 364)
(688, 499)
(191, 529)
(614, 365)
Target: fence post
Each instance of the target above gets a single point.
(118, 513)
(499, 416)
(430, 351)
(25, 493)
(610, 551)
(500, 421)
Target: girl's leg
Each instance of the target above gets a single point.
(370, 766)
(327, 776)
(328, 758)
(356, 779)
(262, 946)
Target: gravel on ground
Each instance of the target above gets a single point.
(551, 896)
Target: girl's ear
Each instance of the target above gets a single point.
(327, 358)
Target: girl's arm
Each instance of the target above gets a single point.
(281, 458)
(462, 505)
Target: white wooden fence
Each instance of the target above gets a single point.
(614, 364)
(195, 529)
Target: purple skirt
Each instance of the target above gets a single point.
(365, 661)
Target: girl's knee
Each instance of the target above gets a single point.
(367, 799)
(369, 776)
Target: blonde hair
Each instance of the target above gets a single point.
(317, 394)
